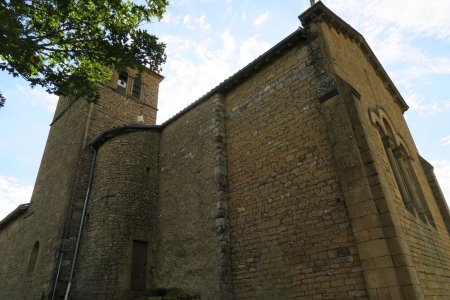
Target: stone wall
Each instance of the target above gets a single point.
(186, 250)
(53, 215)
(117, 108)
(290, 232)
(44, 220)
(122, 209)
(278, 184)
(423, 243)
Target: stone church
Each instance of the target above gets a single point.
(295, 178)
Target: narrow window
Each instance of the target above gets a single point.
(405, 177)
(402, 167)
(399, 177)
(122, 82)
(139, 265)
(411, 182)
(33, 257)
(137, 86)
(422, 206)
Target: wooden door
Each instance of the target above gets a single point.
(139, 266)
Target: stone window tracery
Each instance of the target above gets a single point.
(401, 164)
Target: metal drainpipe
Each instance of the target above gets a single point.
(61, 255)
(80, 230)
(55, 284)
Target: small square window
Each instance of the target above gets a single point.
(122, 82)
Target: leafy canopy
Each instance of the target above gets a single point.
(69, 46)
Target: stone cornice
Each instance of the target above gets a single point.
(113, 132)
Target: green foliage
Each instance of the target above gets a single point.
(2, 100)
(70, 46)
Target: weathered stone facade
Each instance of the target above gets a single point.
(296, 178)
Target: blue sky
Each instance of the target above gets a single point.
(209, 40)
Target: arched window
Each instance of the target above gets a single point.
(402, 166)
(389, 146)
(404, 174)
(33, 257)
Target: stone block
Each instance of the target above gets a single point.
(377, 263)
(362, 208)
(381, 278)
(373, 248)
(360, 192)
(368, 222)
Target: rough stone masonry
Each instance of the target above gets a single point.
(296, 178)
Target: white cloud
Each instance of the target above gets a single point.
(433, 20)
(38, 97)
(193, 69)
(417, 65)
(426, 18)
(261, 19)
(252, 48)
(170, 19)
(202, 24)
(394, 47)
(12, 194)
(196, 23)
(446, 141)
(176, 44)
(442, 172)
(396, 29)
(178, 2)
(426, 108)
(187, 21)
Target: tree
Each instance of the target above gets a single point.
(70, 46)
